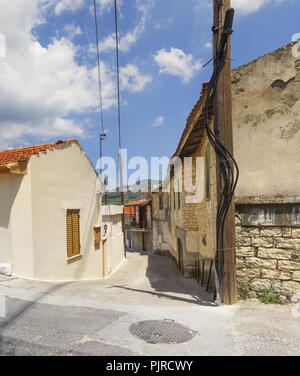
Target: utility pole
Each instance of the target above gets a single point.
(223, 129)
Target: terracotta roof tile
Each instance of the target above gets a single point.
(138, 203)
(21, 154)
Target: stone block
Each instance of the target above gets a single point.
(290, 288)
(289, 265)
(263, 242)
(296, 233)
(273, 231)
(255, 262)
(274, 253)
(245, 252)
(296, 276)
(286, 232)
(276, 274)
(261, 285)
(288, 243)
(243, 241)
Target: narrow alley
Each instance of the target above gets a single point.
(94, 317)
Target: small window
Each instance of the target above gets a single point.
(161, 202)
(174, 200)
(208, 187)
(73, 233)
(97, 236)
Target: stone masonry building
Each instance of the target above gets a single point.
(266, 135)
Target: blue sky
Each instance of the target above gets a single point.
(48, 84)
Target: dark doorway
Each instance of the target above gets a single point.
(180, 255)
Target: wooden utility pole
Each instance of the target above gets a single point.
(223, 129)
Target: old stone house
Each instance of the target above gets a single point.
(266, 124)
(184, 214)
(139, 226)
(50, 213)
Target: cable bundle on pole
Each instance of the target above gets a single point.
(228, 165)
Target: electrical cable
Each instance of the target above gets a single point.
(228, 165)
(102, 134)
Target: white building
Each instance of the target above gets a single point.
(50, 213)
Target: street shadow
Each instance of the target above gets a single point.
(10, 320)
(167, 282)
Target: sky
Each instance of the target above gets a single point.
(48, 80)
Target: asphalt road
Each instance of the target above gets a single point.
(93, 318)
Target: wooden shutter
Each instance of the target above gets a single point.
(97, 236)
(73, 233)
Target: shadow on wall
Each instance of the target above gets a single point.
(7, 198)
(168, 284)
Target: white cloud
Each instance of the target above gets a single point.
(68, 5)
(72, 31)
(132, 79)
(158, 122)
(176, 63)
(42, 86)
(129, 39)
(208, 45)
(246, 6)
(243, 7)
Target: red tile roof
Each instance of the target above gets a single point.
(138, 203)
(21, 154)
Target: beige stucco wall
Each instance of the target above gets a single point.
(113, 245)
(61, 179)
(266, 125)
(5, 219)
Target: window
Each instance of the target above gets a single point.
(174, 200)
(208, 188)
(161, 202)
(73, 233)
(97, 236)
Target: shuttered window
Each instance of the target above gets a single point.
(97, 236)
(73, 233)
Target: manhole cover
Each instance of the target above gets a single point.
(166, 331)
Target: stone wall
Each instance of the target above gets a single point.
(268, 260)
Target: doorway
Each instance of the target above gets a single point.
(180, 255)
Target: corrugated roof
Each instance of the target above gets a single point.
(21, 154)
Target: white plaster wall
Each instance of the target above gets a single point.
(21, 225)
(5, 211)
(114, 245)
(63, 178)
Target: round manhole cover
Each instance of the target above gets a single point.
(166, 331)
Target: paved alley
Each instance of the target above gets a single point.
(93, 318)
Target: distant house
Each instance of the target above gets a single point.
(138, 224)
(50, 213)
